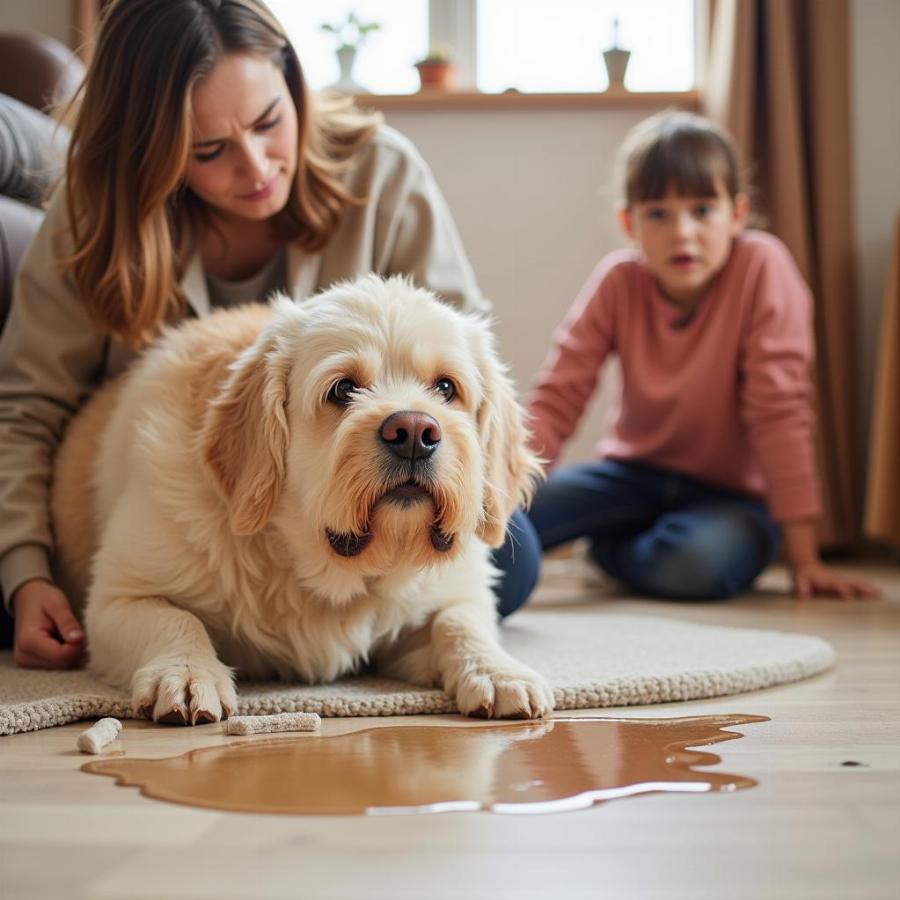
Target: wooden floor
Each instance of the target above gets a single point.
(812, 828)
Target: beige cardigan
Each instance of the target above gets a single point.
(52, 355)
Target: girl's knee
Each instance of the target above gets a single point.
(719, 555)
(687, 574)
(681, 574)
(689, 559)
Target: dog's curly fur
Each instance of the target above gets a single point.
(251, 520)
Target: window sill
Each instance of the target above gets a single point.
(610, 99)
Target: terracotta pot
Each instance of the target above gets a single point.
(437, 76)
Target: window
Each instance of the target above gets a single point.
(545, 47)
(542, 46)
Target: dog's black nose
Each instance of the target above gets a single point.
(412, 436)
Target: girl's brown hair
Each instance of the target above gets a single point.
(677, 150)
(133, 221)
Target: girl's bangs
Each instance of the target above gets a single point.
(692, 166)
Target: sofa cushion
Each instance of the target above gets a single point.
(32, 151)
(37, 69)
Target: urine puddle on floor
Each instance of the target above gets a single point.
(556, 765)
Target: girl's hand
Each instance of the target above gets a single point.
(47, 635)
(811, 576)
(815, 577)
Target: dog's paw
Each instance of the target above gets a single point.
(183, 693)
(503, 692)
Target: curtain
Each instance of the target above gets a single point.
(778, 78)
(882, 520)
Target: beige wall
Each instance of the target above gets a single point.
(51, 17)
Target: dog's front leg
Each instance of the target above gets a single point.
(163, 654)
(484, 679)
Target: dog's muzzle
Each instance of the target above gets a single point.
(412, 438)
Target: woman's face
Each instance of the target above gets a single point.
(244, 154)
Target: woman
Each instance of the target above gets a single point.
(201, 173)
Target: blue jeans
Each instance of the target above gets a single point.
(519, 559)
(659, 532)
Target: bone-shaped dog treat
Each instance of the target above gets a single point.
(101, 733)
(295, 721)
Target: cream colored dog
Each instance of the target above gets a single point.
(297, 490)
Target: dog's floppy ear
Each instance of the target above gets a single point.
(245, 436)
(511, 470)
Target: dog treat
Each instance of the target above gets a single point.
(293, 721)
(101, 733)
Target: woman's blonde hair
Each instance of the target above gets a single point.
(678, 150)
(133, 221)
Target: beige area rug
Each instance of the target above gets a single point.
(593, 659)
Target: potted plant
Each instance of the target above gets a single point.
(350, 34)
(437, 71)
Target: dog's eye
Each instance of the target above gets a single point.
(446, 388)
(341, 392)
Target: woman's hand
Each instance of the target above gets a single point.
(47, 635)
(815, 577)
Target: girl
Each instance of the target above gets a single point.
(201, 173)
(711, 459)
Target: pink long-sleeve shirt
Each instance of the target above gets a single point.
(725, 398)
